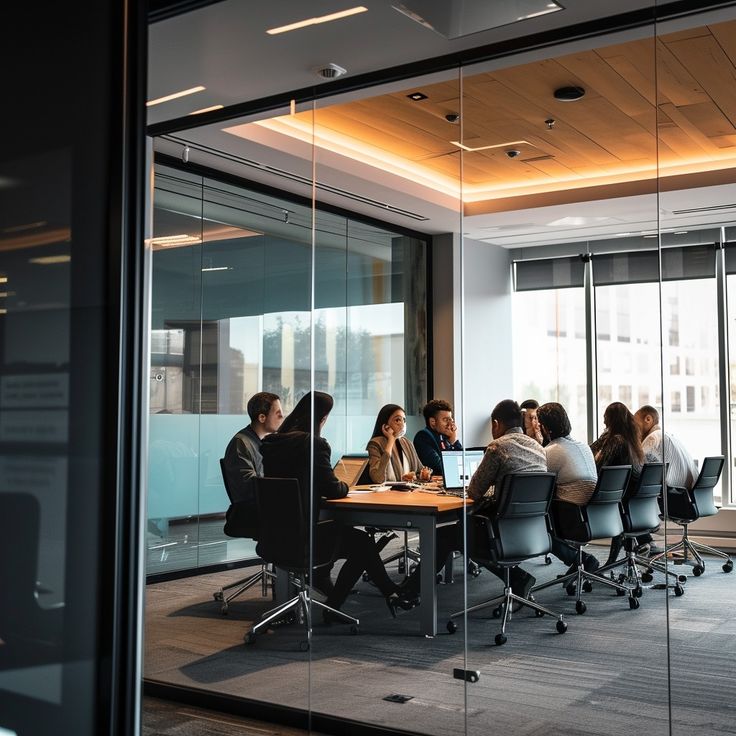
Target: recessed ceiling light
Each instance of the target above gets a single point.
(417, 96)
(3, 279)
(175, 95)
(317, 20)
(569, 94)
(50, 260)
(206, 109)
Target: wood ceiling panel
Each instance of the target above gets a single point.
(596, 73)
(675, 83)
(725, 34)
(611, 131)
(712, 68)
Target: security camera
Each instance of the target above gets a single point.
(513, 153)
(452, 117)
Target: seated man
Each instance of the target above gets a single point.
(243, 461)
(681, 469)
(510, 452)
(440, 433)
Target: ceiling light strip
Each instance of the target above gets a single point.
(384, 206)
(175, 95)
(317, 20)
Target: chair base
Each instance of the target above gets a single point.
(633, 577)
(264, 576)
(301, 604)
(503, 606)
(691, 554)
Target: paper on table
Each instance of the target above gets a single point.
(371, 489)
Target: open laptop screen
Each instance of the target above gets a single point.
(349, 468)
(457, 477)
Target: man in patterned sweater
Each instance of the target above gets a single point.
(510, 452)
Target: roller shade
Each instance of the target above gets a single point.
(549, 273)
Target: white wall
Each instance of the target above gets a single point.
(483, 358)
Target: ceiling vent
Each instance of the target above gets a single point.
(330, 71)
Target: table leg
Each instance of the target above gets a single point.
(427, 581)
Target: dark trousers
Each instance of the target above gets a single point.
(360, 553)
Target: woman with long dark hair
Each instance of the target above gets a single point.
(298, 451)
(620, 444)
(391, 456)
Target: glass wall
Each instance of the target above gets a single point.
(559, 270)
(231, 316)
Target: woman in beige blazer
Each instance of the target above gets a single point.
(392, 457)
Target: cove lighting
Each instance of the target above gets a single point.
(175, 95)
(317, 20)
(174, 240)
(469, 149)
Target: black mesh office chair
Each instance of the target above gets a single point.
(242, 523)
(684, 507)
(515, 529)
(285, 542)
(640, 515)
(598, 519)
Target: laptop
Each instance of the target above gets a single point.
(349, 468)
(455, 475)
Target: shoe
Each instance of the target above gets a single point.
(616, 544)
(403, 600)
(522, 588)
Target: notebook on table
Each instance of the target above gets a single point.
(458, 467)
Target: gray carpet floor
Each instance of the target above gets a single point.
(611, 673)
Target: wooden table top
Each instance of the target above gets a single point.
(412, 500)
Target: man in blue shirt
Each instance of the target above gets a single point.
(439, 434)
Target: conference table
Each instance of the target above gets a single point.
(404, 510)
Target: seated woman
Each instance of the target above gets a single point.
(577, 475)
(392, 457)
(298, 451)
(620, 444)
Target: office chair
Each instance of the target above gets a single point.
(30, 634)
(242, 523)
(579, 525)
(684, 507)
(516, 529)
(640, 515)
(285, 542)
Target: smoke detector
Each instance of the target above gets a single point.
(330, 71)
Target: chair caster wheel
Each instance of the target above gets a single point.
(698, 570)
(587, 586)
(250, 638)
(538, 614)
(647, 577)
(547, 560)
(451, 627)
(679, 590)
(571, 588)
(727, 566)
(633, 603)
(354, 630)
(497, 611)
(561, 627)
(304, 646)
(637, 591)
(580, 607)
(682, 578)
(500, 639)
